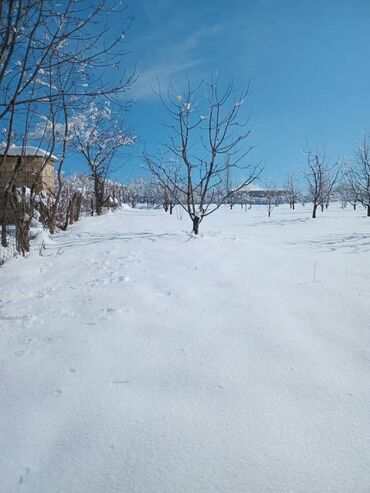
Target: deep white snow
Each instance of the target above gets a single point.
(136, 358)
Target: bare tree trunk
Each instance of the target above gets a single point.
(22, 240)
(78, 205)
(4, 239)
(23, 221)
(99, 195)
(196, 221)
(65, 225)
(72, 209)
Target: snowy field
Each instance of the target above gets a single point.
(138, 359)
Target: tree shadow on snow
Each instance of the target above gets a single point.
(89, 238)
(279, 222)
(353, 243)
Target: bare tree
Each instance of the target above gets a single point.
(209, 141)
(169, 185)
(320, 178)
(39, 35)
(291, 191)
(99, 138)
(271, 198)
(228, 184)
(346, 193)
(359, 175)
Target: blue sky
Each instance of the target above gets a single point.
(307, 60)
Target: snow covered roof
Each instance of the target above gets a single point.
(249, 188)
(252, 188)
(26, 151)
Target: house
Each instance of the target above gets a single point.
(257, 195)
(34, 168)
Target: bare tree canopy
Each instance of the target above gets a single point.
(38, 36)
(291, 191)
(208, 140)
(99, 137)
(359, 175)
(321, 178)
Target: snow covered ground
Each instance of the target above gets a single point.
(136, 358)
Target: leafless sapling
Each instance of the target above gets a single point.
(359, 175)
(209, 141)
(320, 178)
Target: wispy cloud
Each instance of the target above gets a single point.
(163, 72)
(169, 63)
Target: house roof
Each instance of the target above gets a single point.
(26, 151)
(249, 188)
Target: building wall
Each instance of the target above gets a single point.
(48, 178)
(27, 175)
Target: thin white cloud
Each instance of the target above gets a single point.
(163, 72)
(171, 61)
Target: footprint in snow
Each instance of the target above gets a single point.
(23, 476)
(20, 352)
(123, 279)
(10, 317)
(111, 310)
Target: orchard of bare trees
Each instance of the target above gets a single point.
(65, 92)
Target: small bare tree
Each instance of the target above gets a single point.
(208, 140)
(320, 178)
(98, 137)
(347, 194)
(359, 175)
(169, 185)
(291, 191)
(271, 198)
